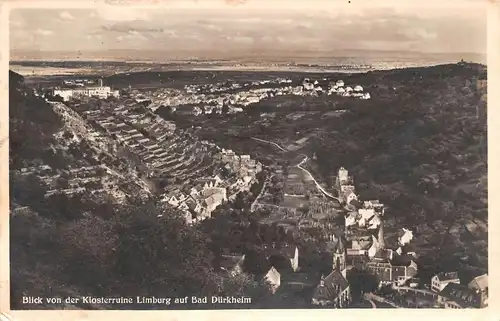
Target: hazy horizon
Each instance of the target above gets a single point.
(273, 30)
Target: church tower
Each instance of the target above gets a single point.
(381, 242)
(339, 258)
(343, 175)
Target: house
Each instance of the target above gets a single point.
(174, 197)
(358, 88)
(273, 279)
(183, 206)
(172, 200)
(406, 237)
(366, 214)
(382, 268)
(480, 285)
(441, 280)
(375, 204)
(197, 111)
(351, 218)
(361, 243)
(365, 96)
(284, 251)
(339, 83)
(374, 222)
(333, 291)
(221, 192)
(244, 158)
(299, 282)
(343, 176)
(347, 193)
(403, 268)
(458, 296)
(397, 270)
(194, 192)
(348, 89)
(217, 180)
(211, 202)
(194, 205)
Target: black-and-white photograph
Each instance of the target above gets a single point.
(212, 155)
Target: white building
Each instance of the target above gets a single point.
(365, 96)
(102, 92)
(441, 280)
(406, 237)
(343, 175)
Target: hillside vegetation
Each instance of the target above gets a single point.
(71, 246)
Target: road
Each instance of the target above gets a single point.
(255, 202)
(299, 165)
(266, 141)
(374, 297)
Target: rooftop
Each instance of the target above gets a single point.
(461, 294)
(447, 276)
(479, 282)
(331, 287)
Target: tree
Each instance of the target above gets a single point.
(89, 245)
(164, 255)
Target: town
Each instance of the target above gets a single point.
(133, 153)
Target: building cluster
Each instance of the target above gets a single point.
(334, 290)
(364, 233)
(454, 295)
(197, 175)
(284, 276)
(206, 193)
(228, 86)
(206, 99)
(82, 89)
(366, 249)
(78, 82)
(337, 87)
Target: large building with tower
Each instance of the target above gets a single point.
(334, 290)
(99, 91)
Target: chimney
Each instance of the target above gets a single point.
(322, 282)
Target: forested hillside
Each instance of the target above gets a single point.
(421, 147)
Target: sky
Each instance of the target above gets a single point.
(184, 28)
